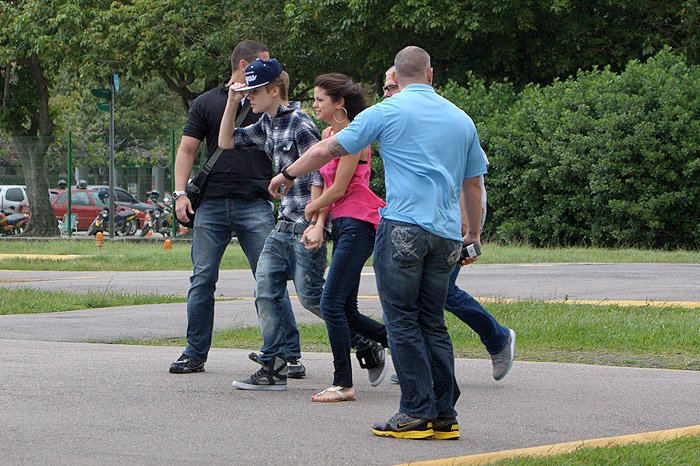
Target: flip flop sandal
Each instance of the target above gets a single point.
(343, 396)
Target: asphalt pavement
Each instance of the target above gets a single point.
(65, 401)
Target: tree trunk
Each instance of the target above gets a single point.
(32, 150)
(42, 221)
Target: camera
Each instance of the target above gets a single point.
(469, 250)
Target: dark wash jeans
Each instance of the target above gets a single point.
(460, 303)
(353, 241)
(216, 220)
(412, 268)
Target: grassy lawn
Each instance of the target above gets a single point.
(150, 255)
(32, 301)
(642, 336)
(680, 451)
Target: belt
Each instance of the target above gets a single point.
(290, 227)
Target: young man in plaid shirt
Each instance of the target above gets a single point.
(295, 247)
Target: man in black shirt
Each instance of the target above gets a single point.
(235, 200)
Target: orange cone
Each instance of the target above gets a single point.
(168, 245)
(99, 240)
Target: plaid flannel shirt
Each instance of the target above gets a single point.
(285, 137)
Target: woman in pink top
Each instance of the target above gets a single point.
(354, 209)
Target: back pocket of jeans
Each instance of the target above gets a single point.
(407, 244)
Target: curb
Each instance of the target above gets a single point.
(561, 448)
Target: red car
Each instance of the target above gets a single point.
(87, 204)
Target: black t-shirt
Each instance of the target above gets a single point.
(238, 173)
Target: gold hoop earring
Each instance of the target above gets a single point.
(346, 115)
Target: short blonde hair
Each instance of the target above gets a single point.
(282, 82)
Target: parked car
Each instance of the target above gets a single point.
(87, 204)
(13, 199)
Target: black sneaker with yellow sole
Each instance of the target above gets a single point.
(446, 429)
(401, 425)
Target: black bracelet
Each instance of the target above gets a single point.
(287, 175)
(312, 222)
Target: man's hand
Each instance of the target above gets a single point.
(235, 95)
(275, 184)
(470, 238)
(183, 207)
(312, 237)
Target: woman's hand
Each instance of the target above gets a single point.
(310, 210)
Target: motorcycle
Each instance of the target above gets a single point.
(12, 224)
(126, 222)
(160, 220)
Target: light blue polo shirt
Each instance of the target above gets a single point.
(428, 146)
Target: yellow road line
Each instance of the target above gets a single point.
(21, 280)
(40, 256)
(601, 302)
(687, 304)
(561, 448)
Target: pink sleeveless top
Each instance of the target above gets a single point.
(359, 201)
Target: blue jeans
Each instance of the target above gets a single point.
(493, 335)
(353, 241)
(283, 258)
(412, 268)
(215, 222)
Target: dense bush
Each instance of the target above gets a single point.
(601, 159)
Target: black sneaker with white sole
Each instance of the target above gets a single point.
(271, 376)
(374, 360)
(295, 369)
(186, 365)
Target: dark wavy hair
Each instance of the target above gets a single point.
(339, 86)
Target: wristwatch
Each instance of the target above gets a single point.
(177, 194)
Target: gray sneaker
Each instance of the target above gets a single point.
(503, 360)
(271, 376)
(394, 378)
(374, 360)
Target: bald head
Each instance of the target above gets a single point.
(413, 66)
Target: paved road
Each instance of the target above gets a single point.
(77, 403)
(67, 402)
(656, 282)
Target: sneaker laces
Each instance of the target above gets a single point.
(262, 373)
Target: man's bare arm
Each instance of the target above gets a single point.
(183, 169)
(336, 149)
(317, 156)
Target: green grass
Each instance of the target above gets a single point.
(31, 301)
(150, 255)
(683, 451)
(641, 336)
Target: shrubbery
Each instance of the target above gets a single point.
(601, 159)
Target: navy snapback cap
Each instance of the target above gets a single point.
(261, 72)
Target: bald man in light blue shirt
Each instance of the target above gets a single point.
(431, 153)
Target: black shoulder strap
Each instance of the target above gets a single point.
(242, 113)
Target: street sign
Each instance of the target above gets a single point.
(103, 106)
(101, 93)
(116, 82)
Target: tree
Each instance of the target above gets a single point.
(35, 38)
(186, 44)
(525, 41)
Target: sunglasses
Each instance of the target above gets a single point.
(390, 87)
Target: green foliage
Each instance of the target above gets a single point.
(524, 41)
(602, 159)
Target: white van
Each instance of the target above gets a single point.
(13, 199)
